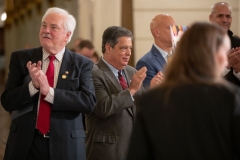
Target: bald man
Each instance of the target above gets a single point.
(156, 58)
(221, 14)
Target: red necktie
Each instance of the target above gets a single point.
(43, 121)
(122, 80)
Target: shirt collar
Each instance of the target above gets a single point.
(164, 53)
(114, 70)
(58, 56)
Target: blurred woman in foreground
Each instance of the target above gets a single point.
(195, 113)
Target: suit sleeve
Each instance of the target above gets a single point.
(151, 72)
(82, 99)
(109, 103)
(16, 93)
(232, 78)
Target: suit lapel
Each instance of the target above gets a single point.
(36, 55)
(109, 75)
(158, 56)
(66, 70)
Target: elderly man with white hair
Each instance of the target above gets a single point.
(47, 91)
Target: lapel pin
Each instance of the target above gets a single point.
(64, 76)
(66, 72)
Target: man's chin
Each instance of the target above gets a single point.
(125, 63)
(226, 28)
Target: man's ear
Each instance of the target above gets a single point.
(210, 17)
(108, 47)
(155, 31)
(68, 35)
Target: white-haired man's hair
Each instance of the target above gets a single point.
(220, 3)
(70, 21)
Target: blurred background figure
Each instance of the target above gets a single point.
(28, 46)
(195, 112)
(75, 44)
(221, 14)
(95, 57)
(85, 48)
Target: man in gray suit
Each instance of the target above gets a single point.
(110, 125)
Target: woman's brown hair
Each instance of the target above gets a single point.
(194, 58)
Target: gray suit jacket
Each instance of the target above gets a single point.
(110, 125)
(73, 96)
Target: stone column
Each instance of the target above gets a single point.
(105, 13)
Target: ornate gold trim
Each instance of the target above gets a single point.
(17, 10)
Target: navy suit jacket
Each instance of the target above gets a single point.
(154, 62)
(73, 96)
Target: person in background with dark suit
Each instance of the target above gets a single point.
(195, 112)
(221, 14)
(156, 59)
(47, 91)
(117, 86)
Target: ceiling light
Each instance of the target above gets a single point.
(4, 16)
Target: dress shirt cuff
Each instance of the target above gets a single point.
(49, 97)
(131, 95)
(237, 74)
(32, 89)
(225, 71)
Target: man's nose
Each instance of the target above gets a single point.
(129, 51)
(224, 19)
(46, 29)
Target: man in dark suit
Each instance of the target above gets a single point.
(156, 58)
(116, 86)
(59, 136)
(221, 14)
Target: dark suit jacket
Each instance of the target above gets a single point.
(110, 125)
(73, 96)
(235, 42)
(154, 62)
(188, 122)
